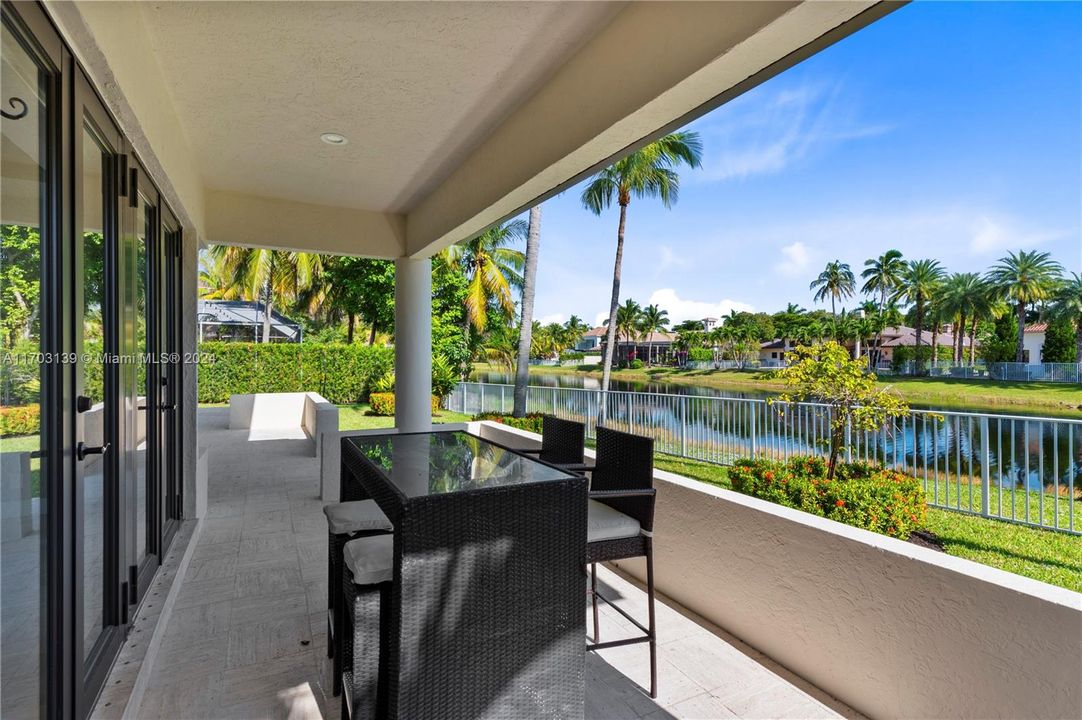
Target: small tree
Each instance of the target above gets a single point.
(826, 374)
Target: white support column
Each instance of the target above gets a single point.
(413, 344)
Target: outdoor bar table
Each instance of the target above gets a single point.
(486, 613)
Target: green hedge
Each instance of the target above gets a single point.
(382, 404)
(701, 355)
(343, 374)
(861, 494)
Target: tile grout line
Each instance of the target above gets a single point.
(146, 668)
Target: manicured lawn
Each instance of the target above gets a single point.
(355, 417)
(1060, 399)
(26, 443)
(1050, 557)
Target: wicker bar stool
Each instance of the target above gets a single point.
(345, 521)
(367, 571)
(563, 443)
(620, 526)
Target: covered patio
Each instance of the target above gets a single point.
(245, 635)
(394, 130)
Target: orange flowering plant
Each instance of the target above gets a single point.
(861, 494)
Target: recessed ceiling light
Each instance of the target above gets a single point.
(333, 139)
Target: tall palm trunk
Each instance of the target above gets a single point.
(372, 335)
(268, 306)
(1078, 340)
(1020, 311)
(973, 340)
(352, 320)
(935, 340)
(920, 331)
(525, 326)
(610, 338)
(959, 338)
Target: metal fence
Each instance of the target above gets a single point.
(1025, 470)
(1006, 371)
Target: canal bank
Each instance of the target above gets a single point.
(1013, 398)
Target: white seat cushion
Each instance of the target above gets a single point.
(370, 559)
(356, 516)
(607, 524)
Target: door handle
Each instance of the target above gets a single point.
(82, 450)
(168, 407)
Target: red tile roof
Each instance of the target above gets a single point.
(1037, 328)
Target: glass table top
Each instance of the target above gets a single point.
(446, 462)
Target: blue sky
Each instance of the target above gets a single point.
(945, 130)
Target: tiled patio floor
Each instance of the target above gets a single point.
(246, 637)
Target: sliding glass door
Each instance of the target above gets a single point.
(29, 385)
(90, 468)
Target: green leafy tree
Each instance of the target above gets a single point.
(20, 282)
(825, 374)
(1059, 342)
(1025, 278)
(628, 320)
(649, 172)
(360, 288)
(835, 282)
(1067, 305)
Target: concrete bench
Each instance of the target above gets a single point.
(277, 415)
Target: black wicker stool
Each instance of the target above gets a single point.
(620, 526)
(345, 521)
(366, 587)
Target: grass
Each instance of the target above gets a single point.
(1062, 399)
(26, 443)
(1051, 557)
(356, 417)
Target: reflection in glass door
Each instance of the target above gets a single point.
(27, 385)
(142, 381)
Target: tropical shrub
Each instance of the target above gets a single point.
(701, 354)
(905, 353)
(382, 404)
(635, 364)
(864, 495)
(530, 423)
(20, 420)
(569, 356)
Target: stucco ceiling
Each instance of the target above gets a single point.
(415, 87)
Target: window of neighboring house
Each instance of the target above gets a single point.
(774, 355)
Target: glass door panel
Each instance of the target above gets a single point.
(26, 383)
(91, 522)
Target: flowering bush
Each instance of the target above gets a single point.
(530, 422)
(382, 403)
(19, 420)
(861, 494)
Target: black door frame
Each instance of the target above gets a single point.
(90, 112)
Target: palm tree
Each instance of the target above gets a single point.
(835, 282)
(648, 172)
(575, 328)
(1024, 278)
(920, 281)
(276, 277)
(653, 319)
(522, 368)
(882, 275)
(492, 269)
(1067, 304)
(628, 318)
(962, 298)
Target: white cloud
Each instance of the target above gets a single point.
(996, 235)
(681, 309)
(552, 318)
(670, 258)
(795, 260)
(769, 130)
